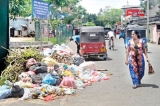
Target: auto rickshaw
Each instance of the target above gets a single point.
(140, 29)
(92, 42)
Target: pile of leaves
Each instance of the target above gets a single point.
(16, 61)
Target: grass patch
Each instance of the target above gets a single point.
(53, 40)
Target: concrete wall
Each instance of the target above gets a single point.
(154, 33)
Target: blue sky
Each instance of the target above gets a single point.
(93, 6)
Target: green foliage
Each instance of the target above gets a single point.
(24, 7)
(110, 16)
(152, 3)
(95, 19)
(16, 7)
(62, 3)
(52, 39)
(90, 24)
(55, 23)
(78, 15)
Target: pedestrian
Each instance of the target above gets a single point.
(135, 58)
(115, 32)
(77, 41)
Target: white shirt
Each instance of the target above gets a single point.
(110, 34)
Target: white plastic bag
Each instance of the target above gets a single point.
(88, 66)
(27, 94)
(74, 69)
(79, 84)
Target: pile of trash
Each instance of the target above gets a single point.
(59, 73)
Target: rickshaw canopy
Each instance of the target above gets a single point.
(92, 29)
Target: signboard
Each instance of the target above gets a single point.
(134, 13)
(40, 9)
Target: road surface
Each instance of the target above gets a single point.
(115, 92)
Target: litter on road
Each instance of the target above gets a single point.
(46, 75)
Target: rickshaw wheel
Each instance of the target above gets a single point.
(105, 58)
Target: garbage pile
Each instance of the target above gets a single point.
(47, 75)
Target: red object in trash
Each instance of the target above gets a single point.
(49, 98)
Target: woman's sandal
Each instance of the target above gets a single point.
(135, 86)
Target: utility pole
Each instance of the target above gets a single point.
(127, 2)
(148, 20)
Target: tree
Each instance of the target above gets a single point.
(24, 7)
(27, 8)
(90, 24)
(94, 18)
(110, 16)
(62, 3)
(152, 3)
(77, 16)
(55, 23)
(16, 7)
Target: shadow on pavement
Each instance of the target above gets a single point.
(149, 85)
(97, 59)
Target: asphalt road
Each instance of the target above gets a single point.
(115, 92)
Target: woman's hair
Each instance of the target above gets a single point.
(137, 33)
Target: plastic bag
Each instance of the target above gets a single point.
(86, 75)
(49, 61)
(78, 60)
(69, 91)
(68, 82)
(79, 84)
(47, 52)
(74, 69)
(48, 79)
(88, 66)
(49, 98)
(30, 62)
(4, 92)
(27, 94)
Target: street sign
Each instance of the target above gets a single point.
(40, 9)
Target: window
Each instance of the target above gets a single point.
(158, 27)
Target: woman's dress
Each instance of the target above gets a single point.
(136, 61)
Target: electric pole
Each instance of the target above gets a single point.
(148, 20)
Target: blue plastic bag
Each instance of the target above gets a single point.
(48, 79)
(4, 92)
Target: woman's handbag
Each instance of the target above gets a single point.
(150, 70)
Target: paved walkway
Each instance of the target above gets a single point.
(21, 39)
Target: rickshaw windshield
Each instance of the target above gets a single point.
(92, 37)
(142, 33)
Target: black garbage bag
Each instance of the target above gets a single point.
(17, 91)
(37, 78)
(39, 68)
(78, 60)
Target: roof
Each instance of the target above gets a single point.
(135, 27)
(18, 23)
(92, 29)
(130, 6)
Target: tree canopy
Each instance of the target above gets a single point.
(110, 16)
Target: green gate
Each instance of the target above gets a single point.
(4, 30)
(63, 32)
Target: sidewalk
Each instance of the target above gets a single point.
(21, 39)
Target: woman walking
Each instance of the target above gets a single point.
(135, 58)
